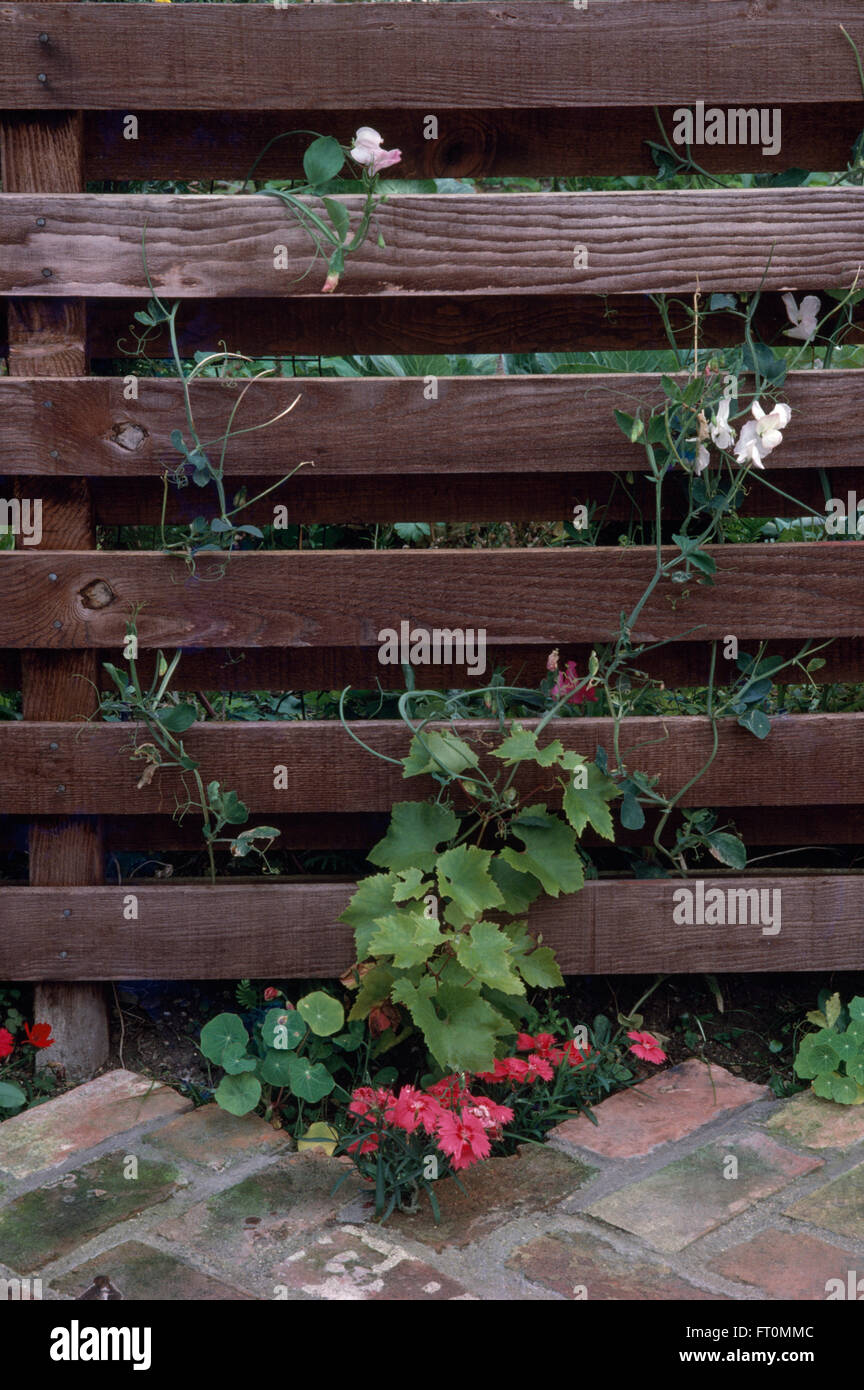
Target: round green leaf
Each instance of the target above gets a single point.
(220, 1033)
(309, 1080)
(322, 1012)
(11, 1096)
(235, 1059)
(283, 1029)
(275, 1069)
(238, 1094)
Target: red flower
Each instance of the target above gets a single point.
(544, 1045)
(646, 1046)
(568, 680)
(413, 1108)
(39, 1035)
(538, 1066)
(7, 1042)
(449, 1090)
(577, 1057)
(492, 1117)
(463, 1138)
(271, 992)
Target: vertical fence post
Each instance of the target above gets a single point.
(42, 152)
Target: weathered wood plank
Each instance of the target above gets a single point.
(580, 142)
(389, 426)
(59, 600)
(90, 771)
(187, 931)
(470, 55)
(498, 244)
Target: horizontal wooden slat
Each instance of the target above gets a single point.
(428, 323)
(332, 668)
(527, 53)
(389, 426)
(90, 770)
(619, 926)
(498, 244)
(75, 599)
(535, 143)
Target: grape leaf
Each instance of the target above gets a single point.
(550, 851)
(589, 804)
(463, 875)
(485, 951)
(416, 830)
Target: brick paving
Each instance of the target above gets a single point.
(693, 1185)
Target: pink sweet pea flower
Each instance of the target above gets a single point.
(646, 1046)
(367, 149)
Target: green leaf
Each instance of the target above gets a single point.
(275, 1068)
(338, 214)
(589, 804)
(459, 1026)
(550, 851)
(409, 936)
(632, 815)
(629, 425)
(310, 1081)
(235, 1059)
(757, 722)
(323, 160)
(322, 1012)
(372, 901)
(856, 1007)
(521, 744)
(485, 952)
(518, 889)
(463, 875)
(177, 718)
(443, 753)
(817, 1055)
(282, 1029)
(238, 1094)
(540, 969)
(11, 1096)
(728, 849)
(219, 1034)
(374, 989)
(416, 830)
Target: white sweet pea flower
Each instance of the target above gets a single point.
(762, 434)
(721, 434)
(703, 458)
(702, 455)
(804, 317)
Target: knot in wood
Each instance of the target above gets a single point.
(97, 594)
(127, 435)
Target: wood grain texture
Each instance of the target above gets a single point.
(806, 759)
(187, 931)
(526, 143)
(428, 323)
(497, 244)
(343, 597)
(527, 53)
(354, 427)
(332, 668)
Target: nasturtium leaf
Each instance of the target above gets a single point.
(238, 1094)
(319, 1135)
(283, 1029)
(540, 969)
(442, 753)
(816, 1055)
(728, 849)
(463, 876)
(855, 1068)
(590, 804)
(310, 1081)
(11, 1096)
(235, 1059)
(521, 744)
(416, 830)
(373, 900)
(322, 1012)
(459, 1026)
(323, 160)
(275, 1068)
(550, 851)
(485, 952)
(856, 1007)
(220, 1033)
(177, 718)
(409, 936)
(519, 889)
